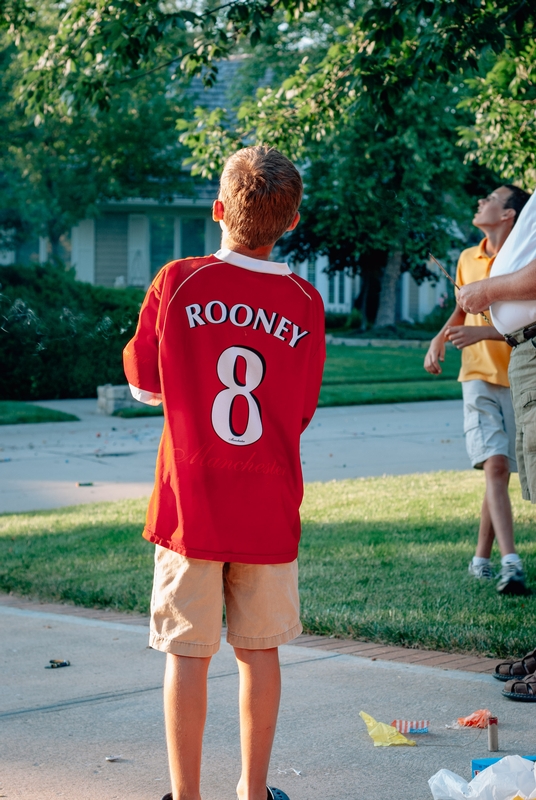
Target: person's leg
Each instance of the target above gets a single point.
(185, 708)
(260, 691)
(263, 613)
(512, 577)
(479, 566)
(496, 509)
(486, 534)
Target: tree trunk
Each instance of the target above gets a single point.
(372, 266)
(362, 299)
(387, 308)
(55, 247)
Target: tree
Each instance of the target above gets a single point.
(55, 167)
(383, 51)
(379, 197)
(380, 190)
(374, 61)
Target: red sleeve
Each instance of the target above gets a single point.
(140, 356)
(314, 382)
(316, 368)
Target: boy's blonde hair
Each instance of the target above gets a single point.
(261, 191)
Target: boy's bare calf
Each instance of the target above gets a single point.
(185, 708)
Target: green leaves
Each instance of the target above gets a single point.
(503, 134)
(210, 139)
(55, 167)
(111, 41)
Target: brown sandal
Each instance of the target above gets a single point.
(524, 690)
(507, 670)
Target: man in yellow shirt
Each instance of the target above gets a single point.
(489, 424)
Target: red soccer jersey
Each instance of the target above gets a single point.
(235, 348)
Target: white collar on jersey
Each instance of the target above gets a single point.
(253, 264)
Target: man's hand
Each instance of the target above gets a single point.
(435, 354)
(465, 335)
(473, 297)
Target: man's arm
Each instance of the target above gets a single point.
(436, 351)
(521, 285)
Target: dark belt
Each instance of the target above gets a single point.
(518, 337)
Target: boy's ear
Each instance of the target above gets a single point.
(294, 222)
(217, 211)
(508, 213)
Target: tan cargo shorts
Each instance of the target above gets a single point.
(261, 602)
(522, 375)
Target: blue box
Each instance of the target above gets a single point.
(478, 764)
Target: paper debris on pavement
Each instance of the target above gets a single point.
(411, 725)
(478, 719)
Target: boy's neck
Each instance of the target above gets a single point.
(262, 253)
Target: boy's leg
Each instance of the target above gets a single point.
(497, 518)
(263, 612)
(185, 708)
(486, 534)
(260, 691)
(496, 509)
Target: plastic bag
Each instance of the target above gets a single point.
(510, 778)
(382, 734)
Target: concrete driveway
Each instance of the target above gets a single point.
(58, 726)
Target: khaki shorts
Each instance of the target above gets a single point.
(488, 423)
(522, 374)
(261, 601)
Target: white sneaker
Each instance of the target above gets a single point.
(512, 579)
(482, 571)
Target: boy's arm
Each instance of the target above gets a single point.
(436, 350)
(140, 356)
(465, 335)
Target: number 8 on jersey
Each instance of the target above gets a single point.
(229, 367)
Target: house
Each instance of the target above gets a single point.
(128, 242)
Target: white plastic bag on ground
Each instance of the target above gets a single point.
(511, 778)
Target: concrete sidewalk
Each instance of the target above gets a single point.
(58, 726)
(41, 464)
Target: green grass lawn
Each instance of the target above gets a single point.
(14, 412)
(383, 559)
(147, 411)
(365, 375)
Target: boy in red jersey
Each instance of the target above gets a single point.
(233, 346)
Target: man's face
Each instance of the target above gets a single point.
(491, 211)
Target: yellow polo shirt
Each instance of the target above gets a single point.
(487, 360)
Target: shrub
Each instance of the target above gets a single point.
(335, 321)
(59, 337)
(354, 320)
(438, 316)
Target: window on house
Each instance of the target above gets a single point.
(311, 270)
(331, 288)
(192, 237)
(162, 239)
(342, 284)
